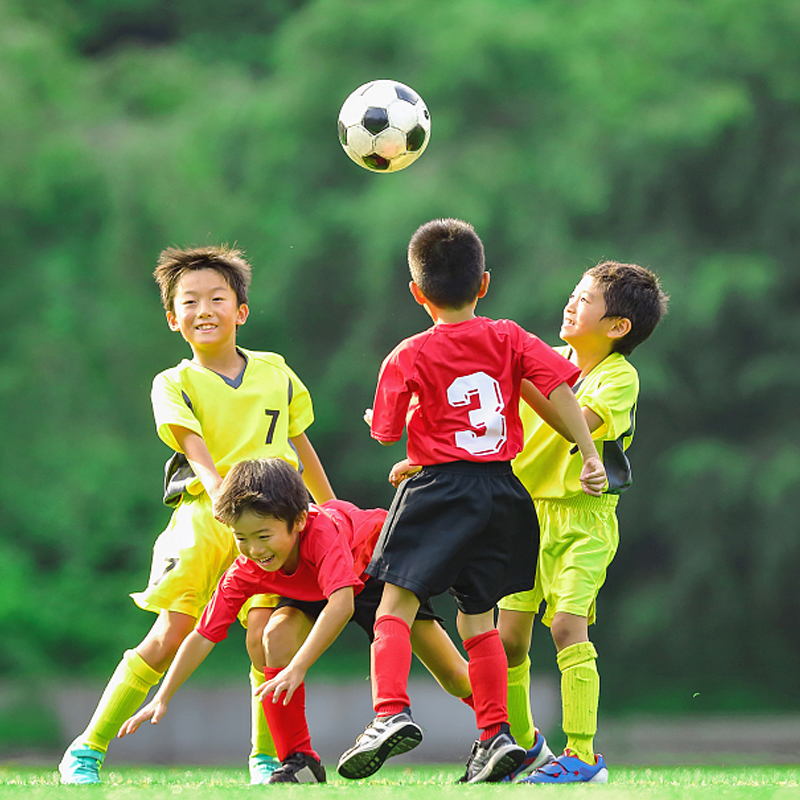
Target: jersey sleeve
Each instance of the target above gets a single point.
(612, 401)
(301, 410)
(231, 593)
(172, 406)
(543, 366)
(333, 558)
(392, 398)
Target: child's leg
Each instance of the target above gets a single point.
(435, 649)
(261, 740)
(139, 670)
(286, 631)
(516, 629)
(580, 683)
(488, 671)
(391, 650)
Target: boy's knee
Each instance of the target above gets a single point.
(279, 645)
(516, 629)
(568, 629)
(516, 650)
(254, 641)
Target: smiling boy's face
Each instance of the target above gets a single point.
(206, 310)
(271, 543)
(584, 314)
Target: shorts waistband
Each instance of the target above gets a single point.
(581, 500)
(471, 467)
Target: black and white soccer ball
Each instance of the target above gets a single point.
(384, 126)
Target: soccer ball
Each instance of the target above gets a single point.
(384, 126)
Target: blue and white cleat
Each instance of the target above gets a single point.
(537, 757)
(261, 768)
(81, 764)
(568, 768)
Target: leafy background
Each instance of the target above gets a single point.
(666, 133)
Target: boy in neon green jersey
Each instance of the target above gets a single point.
(613, 309)
(224, 405)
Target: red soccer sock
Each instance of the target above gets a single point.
(391, 663)
(287, 723)
(488, 674)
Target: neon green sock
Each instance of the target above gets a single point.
(580, 694)
(520, 717)
(126, 690)
(260, 737)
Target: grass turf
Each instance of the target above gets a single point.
(395, 782)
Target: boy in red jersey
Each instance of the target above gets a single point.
(314, 558)
(464, 523)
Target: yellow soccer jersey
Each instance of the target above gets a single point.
(549, 466)
(252, 417)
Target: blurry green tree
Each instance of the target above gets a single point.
(662, 133)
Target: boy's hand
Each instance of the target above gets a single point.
(368, 416)
(400, 471)
(593, 476)
(154, 711)
(287, 680)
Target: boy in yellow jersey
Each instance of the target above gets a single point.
(224, 405)
(613, 309)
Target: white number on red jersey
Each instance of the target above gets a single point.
(488, 415)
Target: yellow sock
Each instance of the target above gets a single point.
(520, 717)
(580, 694)
(260, 737)
(124, 693)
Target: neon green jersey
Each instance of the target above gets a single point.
(549, 466)
(253, 416)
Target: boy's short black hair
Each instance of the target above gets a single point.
(633, 292)
(446, 260)
(269, 487)
(174, 262)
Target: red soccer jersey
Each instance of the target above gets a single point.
(335, 547)
(457, 386)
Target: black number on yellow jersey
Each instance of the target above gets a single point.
(272, 423)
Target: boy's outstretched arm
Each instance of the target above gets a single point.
(191, 654)
(593, 475)
(328, 626)
(544, 408)
(195, 449)
(314, 475)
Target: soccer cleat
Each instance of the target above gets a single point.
(383, 738)
(538, 756)
(81, 764)
(492, 760)
(261, 768)
(568, 768)
(298, 768)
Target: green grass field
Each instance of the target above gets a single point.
(417, 782)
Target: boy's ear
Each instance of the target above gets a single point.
(484, 285)
(620, 328)
(300, 522)
(417, 293)
(242, 314)
(172, 321)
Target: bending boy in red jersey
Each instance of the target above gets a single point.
(314, 558)
(464, 523)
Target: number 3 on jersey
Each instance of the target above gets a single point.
(488, 415)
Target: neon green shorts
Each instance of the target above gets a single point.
(189, 558)
(579, 539)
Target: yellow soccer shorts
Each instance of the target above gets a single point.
(579, 539)
(189, 558)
